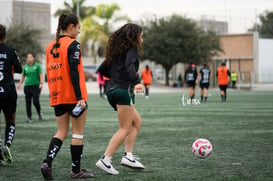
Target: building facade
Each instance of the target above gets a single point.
(32, 14)
(241, 56)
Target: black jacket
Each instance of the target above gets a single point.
(122, 73)
(9, 62)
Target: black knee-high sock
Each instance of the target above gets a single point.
(54, 147)
(202, 98)
(76, 155)
(9, 133)
(146, 91)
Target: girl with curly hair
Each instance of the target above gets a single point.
(121, 66)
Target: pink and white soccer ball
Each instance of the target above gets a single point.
(202, 148)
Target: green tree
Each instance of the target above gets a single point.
(265, 26)
(24, 40)
(98, 27)
(72, 8)
(174, 39)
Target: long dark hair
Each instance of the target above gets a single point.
(64, 21)
(125, 37)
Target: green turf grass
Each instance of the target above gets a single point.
(240, 130)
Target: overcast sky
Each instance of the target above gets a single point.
(240, 14)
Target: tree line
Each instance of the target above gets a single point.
(167, 41)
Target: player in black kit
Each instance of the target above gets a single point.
(190, 78)
(9, 63)
(204, 81)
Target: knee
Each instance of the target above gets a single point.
(35, 101)
(123, 132)
(61, 135)
(77, 139)
(138, 124)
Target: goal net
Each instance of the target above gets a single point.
(245, 80)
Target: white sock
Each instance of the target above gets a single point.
(107, 159)
(129, 155)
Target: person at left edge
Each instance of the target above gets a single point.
(33, 77)
(67, 91)
(9, 62)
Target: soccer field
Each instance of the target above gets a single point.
(240, 130)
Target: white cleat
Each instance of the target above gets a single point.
(132, 163)
(107, 167)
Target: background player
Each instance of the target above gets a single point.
(146, 76)
(222, 75)
(233, 79)
(204, 81)
(33, 77)
(190, 78)
(101, 84)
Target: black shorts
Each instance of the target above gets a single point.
(204, 85)
(120, 97)
(223, 87)
(9, 105)
(191, 84)
(63, 108)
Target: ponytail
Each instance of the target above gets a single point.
(59, 29)
(64, 21)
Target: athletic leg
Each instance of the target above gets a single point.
(131, 138)
(76, 147)
(9, 137)
(77, 141)
(10, 129)
(225, 93)
(36, 100)
(10, 114)
(146, 90)
(206, 94)
(201, 93)
(193, 92)
(9, 111)
(100, 86)
(190, 92)
(222, 88)
(125, 116)
(128, 159)
(28, 102)
(55, 144)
